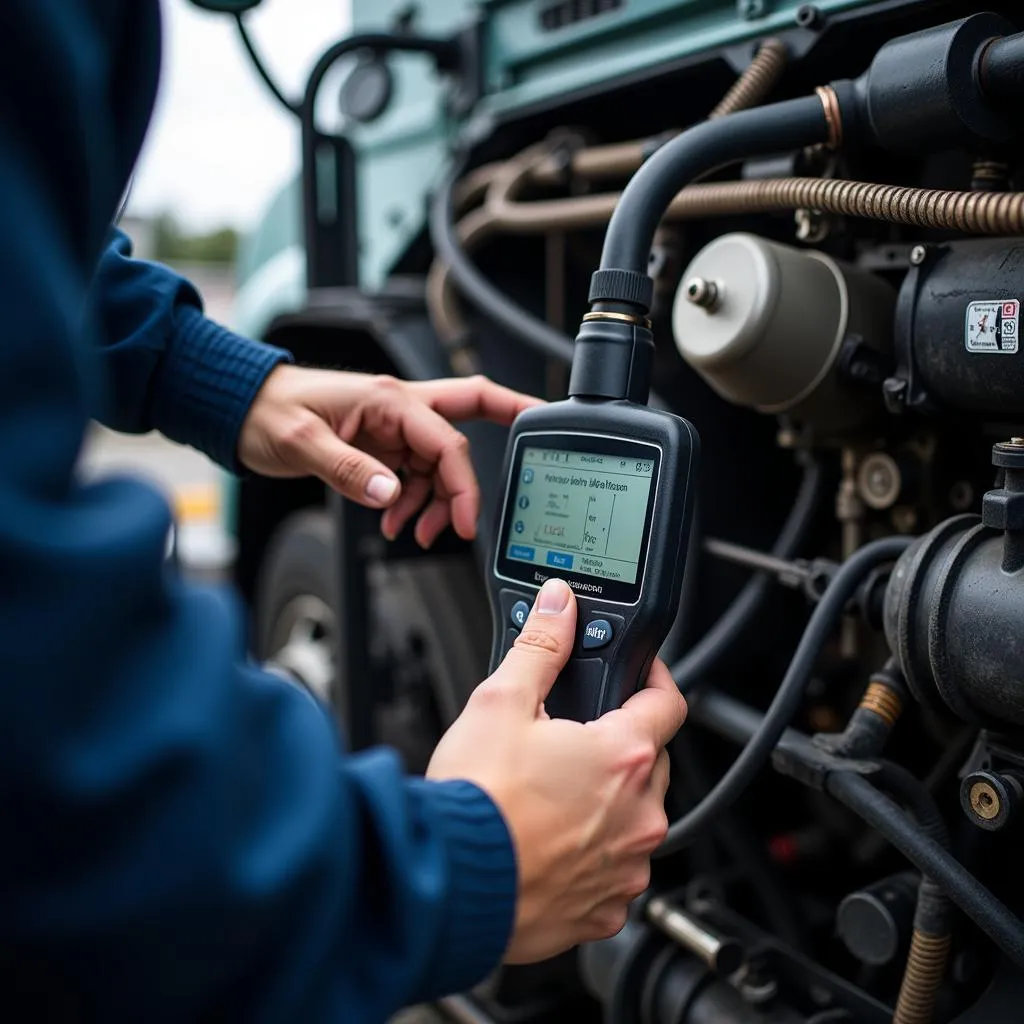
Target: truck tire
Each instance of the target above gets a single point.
(430, 631)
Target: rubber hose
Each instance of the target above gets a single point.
(692, 669)
(743, 847)
(775, 128)
(790, 693)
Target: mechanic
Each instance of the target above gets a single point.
(184, 837)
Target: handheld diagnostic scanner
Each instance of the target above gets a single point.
(598, 491)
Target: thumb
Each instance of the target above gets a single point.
(543, 647)
(348, 470)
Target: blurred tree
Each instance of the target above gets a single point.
(171, 244)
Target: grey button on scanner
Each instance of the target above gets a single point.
(520, 611)
(596, 634)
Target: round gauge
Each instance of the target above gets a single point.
(366, 92)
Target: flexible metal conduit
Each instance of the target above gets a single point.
(978, 213)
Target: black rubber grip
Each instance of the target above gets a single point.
(622, 286)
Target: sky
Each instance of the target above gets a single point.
(219, 146)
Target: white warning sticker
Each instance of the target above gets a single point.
(993, 326)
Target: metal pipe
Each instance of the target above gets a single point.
(789, 573)
(463, 1011)
(723, 955)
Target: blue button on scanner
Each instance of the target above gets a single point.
(520, 610)
(560, 560)
(597, 634)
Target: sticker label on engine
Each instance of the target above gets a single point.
(993, 326)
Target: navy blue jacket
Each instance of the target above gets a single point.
(182, 837)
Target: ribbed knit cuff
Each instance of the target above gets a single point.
(207, 383)
(482, 884)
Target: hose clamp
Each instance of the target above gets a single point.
(833, 115)
(629, 318)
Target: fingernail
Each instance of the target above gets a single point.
(553, 597)
(381, 488)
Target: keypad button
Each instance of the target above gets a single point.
(520, 611)
(596, 634)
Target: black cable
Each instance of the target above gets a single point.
(509, 315)
(692, 669)
(989, 913)
(261, 68)
(744, 848)
(776, 128)
(790, 693)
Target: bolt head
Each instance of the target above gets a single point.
(918, 255)
(984, 801)
(702, 293)
(808, 16)
(989, 798)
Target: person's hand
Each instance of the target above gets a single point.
(356, 432)
(584, 802)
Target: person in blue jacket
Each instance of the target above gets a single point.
(183, 836)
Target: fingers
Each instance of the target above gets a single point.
(471, 398)
(352, 472)
(415, 492)
(660, 775)
(437, 448)
(436, 516)
(543, 647)
(657, 711)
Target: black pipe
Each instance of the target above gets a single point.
(790, 693)
(735, 721)
(1002, 68)
(692, 669)
(776, 128)
(743, 847)
(508, 315)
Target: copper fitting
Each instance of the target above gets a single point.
(883, 701)
(833, 115)
(629, 318)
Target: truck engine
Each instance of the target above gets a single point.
(813, 213)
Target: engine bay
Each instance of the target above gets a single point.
(840, 319)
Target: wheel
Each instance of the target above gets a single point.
(430, 631)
